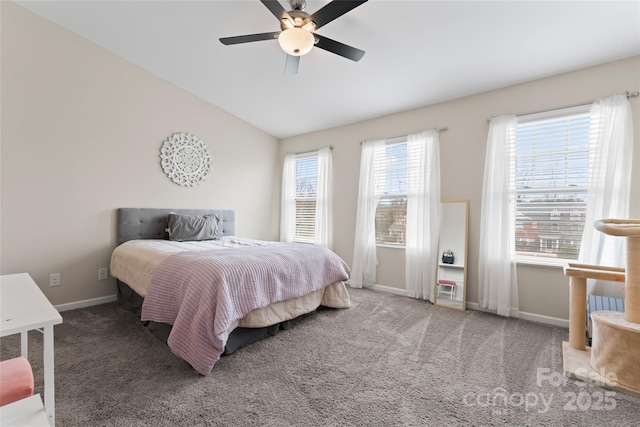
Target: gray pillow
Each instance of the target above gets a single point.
(193, 227)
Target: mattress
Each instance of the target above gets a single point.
(134, 262)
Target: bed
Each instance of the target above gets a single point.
(207, 297)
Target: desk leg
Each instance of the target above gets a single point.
(49, 385)
(24, 344)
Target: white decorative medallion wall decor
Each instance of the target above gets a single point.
(185, 159)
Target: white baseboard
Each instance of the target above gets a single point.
(383, 288)
(389, 289)
(538, 318)
(556, 321)
(86, 303)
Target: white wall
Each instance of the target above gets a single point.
(81, 134)
(543, 290)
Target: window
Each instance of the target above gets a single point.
(552, 160)
(306, 193)
(390, 172)
(306, 209)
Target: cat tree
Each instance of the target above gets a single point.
(612, 360)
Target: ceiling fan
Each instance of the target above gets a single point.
(297, 31)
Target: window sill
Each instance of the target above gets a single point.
(390, 246)
(542, 262)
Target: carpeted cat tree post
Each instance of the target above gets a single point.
(613, 357)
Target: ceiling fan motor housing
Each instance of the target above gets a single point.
(297, 5)
(298, 17)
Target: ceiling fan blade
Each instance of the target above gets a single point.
(291, 66)
(249, 38)
(334, 10)
(338, 48)
(276, 8)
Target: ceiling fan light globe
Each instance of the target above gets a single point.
(296, 41)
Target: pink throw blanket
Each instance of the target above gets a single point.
(202, 293)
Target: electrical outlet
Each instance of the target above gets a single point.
(103, 274)
(54, 279)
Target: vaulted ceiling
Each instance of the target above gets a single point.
(417, 52)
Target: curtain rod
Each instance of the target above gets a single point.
(310, 151)
(404, 136)
(627, 93)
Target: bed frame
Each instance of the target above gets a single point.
(152, 223)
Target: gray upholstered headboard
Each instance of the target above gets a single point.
(150, 223)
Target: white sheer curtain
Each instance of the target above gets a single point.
(288, 202)
(610, 154)
(423, 213)
(324, 200)
(498, 283)
(363, 270)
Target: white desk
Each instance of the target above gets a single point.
(23, 307)
(26, 412)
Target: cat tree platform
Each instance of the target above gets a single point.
(612, 361)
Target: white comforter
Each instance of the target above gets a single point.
(134, 262)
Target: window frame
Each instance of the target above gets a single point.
(391, 195)
(548, 116)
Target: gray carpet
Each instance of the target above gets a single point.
(386, 361)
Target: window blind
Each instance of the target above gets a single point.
(305, 197)
(551, 179)
(390, 171)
